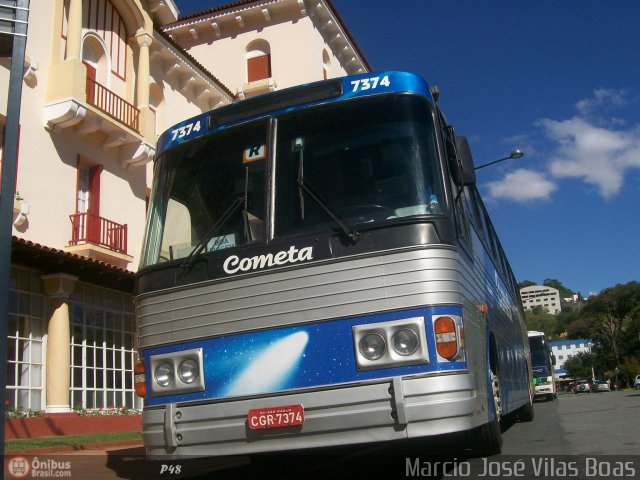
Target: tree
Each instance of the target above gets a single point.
(540, 320)
(629, 369)
(608, 312)
(557, 284)
(580, 366)
(526, 283)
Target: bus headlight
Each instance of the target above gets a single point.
(405, 342)
(406, 339)
(164, 374)
(372, 346)
(177, 372)
(188, 371)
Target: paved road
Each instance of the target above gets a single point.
(583, 425)
(605, 423)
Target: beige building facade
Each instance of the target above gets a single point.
(102, 80)
(548, 298)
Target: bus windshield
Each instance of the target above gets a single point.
(370, 161)
(540, 356)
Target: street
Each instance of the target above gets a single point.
(579, 426)
(588, 435)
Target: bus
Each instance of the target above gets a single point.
(319, 270)
(542, 361)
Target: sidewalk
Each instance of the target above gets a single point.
(112, 461)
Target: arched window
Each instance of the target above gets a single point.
(95, 58)
(258, 61)
(94, 55)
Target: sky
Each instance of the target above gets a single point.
(559, 80)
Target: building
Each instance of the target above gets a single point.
(566, 349)
(541, 296)
(103, 79)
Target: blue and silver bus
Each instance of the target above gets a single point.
(319, 270)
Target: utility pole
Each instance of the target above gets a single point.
(14, 16)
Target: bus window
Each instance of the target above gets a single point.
(216, 193)
(370, 162)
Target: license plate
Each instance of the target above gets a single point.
(275, 417)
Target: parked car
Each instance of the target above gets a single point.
(600, 386)
(637, 384)
(582, 386)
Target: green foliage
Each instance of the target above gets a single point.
(629, 369)
(45, 442)
(611, 319)
(557, 284)
(580, 365)
(526, 283)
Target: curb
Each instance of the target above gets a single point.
(77, 448)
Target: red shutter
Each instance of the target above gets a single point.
(91, 84)
(93, 210)
(258, 68)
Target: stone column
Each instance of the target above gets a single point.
(142, 92)
(74, 30)
(58, 287)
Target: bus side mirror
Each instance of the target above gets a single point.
(465, 174)
(553, 359)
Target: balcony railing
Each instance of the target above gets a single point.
(116, 107)
(89, 228)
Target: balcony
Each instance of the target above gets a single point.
(98, 238)
(116, 107)
(75, 101)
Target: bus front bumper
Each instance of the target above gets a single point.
(394, 409)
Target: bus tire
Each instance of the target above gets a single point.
(551, 398)
(526, 412)
(489, 435)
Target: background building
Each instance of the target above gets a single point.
(541, 296)
(566, 349)
(103, 79)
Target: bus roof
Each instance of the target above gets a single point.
(291, 99)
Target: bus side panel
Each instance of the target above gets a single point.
(483, 285)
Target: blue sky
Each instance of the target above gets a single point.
(558, 79)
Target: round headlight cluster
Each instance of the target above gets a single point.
(164, 374)
(188, 371)
(372, 346)
(405, 342)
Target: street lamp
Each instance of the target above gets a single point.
(517, 153)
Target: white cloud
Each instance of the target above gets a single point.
(602, 98)
(599, 156)
(522, 186)
(591, 147)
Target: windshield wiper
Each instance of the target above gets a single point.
(304, 184)
(231, 209)
(351, 234)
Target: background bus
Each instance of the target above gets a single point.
(543, 362)
(319, 270)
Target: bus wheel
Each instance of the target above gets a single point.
(551, 398)
(489, 436)
(526, 412)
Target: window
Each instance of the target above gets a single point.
(258, 61)
(25, 353)
(102, 348)
(370, 161)
(217, 199)
(88, 202)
